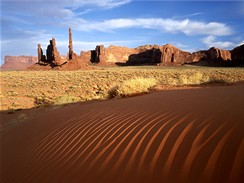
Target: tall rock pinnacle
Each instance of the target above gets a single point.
(71, 53)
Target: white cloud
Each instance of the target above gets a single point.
(75, 3)
(187, 16)
(241, 43)
(108, 3)
(51, 12)
(26, 44)
(210, 41)
(62, 13)
(186, 26)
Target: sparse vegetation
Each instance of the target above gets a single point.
(65, 99)
(133, 87)
(196, 78)
(28, 89)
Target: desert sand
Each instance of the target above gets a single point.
(187, 135)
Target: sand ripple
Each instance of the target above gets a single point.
(141, 139)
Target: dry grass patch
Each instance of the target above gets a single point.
(28, 89)
(133, 87)
(196, 78)
(65, 99)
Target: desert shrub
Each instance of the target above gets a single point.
(65, 99)
(193, 79)
(132, 87)
(12, 93)
(42, 102)
(196, 78)
(218, 81)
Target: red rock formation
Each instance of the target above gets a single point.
(171, 54)
(41, 57)
(212, 55)
(52, 55)
(118, 54)
(71, 54)
(56, 56)
(217, 54)
(100, 54)
(86, 56)
(237, 54)
(49, 52)
(198, 56)
(148, 54)
(18, 62)
(164, 55)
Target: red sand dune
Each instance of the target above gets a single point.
(194, 135)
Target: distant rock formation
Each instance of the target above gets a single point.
(162, 55)
(143, 55)
(219, 57)
(110, 55)
(218, 54)
(41, 57)
(86, 56)
(52, 55)
(71, 54)
(214, 54)
(49, 52)
(18, 62)
(55, 54)
(148, 54)
(237, 54)
(118, 54)
(100, 54)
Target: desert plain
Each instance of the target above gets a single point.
(186, 125)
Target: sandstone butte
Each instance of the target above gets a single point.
(18, 62)
(164, 55)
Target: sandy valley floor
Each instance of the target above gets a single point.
(190, 135)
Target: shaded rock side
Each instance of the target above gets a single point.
(56, 56)
(237, 54)
(218, 54)
(147, 54)
(213, 54)
(163, 55)
(100, 54)
(18, 62)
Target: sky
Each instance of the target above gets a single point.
(189, 25)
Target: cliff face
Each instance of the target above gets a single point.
(219, 57)
(214, 54)
(110, 55)
(118, 54)
(18, 62)
(237, 54)
(148, 54)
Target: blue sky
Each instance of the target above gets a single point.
(189, 25)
